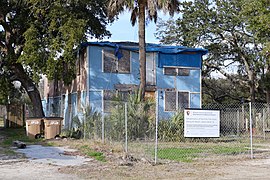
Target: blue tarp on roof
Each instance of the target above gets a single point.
(168, 55)
(183, 60)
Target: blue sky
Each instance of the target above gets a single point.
(122, 30)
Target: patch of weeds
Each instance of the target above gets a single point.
(228, 150)
(7, 152)
(50, 144)
(179, 154)
(13, 134)
(91, 153)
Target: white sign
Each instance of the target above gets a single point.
(201, 123)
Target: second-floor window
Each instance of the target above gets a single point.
(111, 63)
(173, 71)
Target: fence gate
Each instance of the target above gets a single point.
(3, 113)
(15, 116)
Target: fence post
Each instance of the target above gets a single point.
(126, 128)
(250, 130)
(102, 127)
(156, 143)
(263, 123)
(84, 124)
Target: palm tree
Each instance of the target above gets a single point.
(140, 9)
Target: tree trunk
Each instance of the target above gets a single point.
(30, 88)
(142, 53)
(267, 85)
(252, 86)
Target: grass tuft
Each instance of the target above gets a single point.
(91, 153)
(228, 150)
(179, 154)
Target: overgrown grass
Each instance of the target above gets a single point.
(229, 150)
(188, 154)
(8, 152)
(92, 153)
(51, 144)
(177, 154)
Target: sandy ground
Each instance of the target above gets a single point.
(24, 169)
(38, 162)
(246, 169)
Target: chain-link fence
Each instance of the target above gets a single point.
(128, 125)
(144, 130)
(243, 131)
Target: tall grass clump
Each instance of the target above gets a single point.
(172, 129)
(140, 118)
(85, 125)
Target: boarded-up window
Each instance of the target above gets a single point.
(170, 101)
(172, 71)
(111, 64)
(183, 100)
(112, 97)
(183, 72)
(124, 62)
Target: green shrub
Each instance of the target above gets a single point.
(140, 120)
(92, 123)
(87, 126)
(172, 129)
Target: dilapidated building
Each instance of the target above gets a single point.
(173, 78)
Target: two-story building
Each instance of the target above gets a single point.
(173, 78)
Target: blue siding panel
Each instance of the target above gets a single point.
(162, 114)
(66, 113)
(96, 100)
